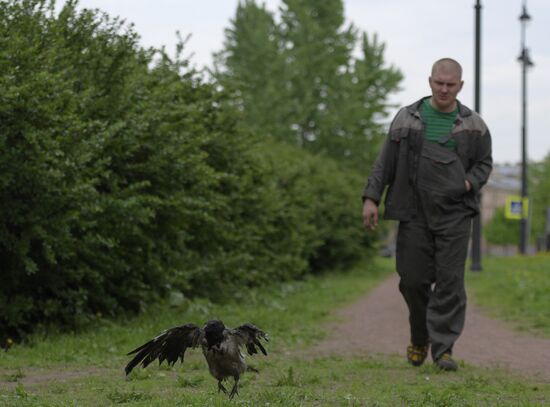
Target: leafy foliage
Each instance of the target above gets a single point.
(540, 196)
(504, 231)
(298, 79)
(501, 231)
(126, 176)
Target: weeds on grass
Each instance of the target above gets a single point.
(14, 377)
(120, 397)
(20, 391)
(19, 397)
(288, 379)
(436, 398)
(139, 374)
(193, 381)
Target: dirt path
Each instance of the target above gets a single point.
(377, 324)
(40, 376)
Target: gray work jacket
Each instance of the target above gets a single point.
(397, 162)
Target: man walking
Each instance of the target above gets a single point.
(435, 159)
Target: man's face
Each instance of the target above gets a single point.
(445, 85)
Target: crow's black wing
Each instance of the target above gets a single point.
(169, 345)
(249, 335)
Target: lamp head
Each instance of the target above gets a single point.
(524, 17)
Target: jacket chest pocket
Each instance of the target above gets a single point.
(440, 170)
(464, 145)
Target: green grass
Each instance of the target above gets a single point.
(87, 369)
(328, 381)
(515, 289)
(290, 312)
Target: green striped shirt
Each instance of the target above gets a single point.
(437, 124)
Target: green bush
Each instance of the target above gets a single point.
(501, 231)
(72, 218)
(539, 186)
(124, 176)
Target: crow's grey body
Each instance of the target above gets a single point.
(225, 359)
(221, 348)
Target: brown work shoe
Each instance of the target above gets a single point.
(416, 354)
(446, 362)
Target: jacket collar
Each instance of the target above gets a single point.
(414, 108)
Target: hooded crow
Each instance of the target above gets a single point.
(221, 346)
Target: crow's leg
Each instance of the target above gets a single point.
(234, 390)
(221, 387)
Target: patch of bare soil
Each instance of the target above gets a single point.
(378, 324)
(9, 379)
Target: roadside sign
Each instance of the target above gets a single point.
(515, 205)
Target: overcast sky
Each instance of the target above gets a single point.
(416, 33)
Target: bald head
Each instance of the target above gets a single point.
(445, 82)
(447, 66)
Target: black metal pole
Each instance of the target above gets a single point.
(524, 237)
(525, 63)
(476, 224)
(477, 55)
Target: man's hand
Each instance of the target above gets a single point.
(468, 185)
(370, 214)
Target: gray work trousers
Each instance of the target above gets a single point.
(432, 250)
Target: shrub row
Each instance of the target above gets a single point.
(124, 176)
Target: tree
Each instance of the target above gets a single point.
(251, 60)
(298, 79)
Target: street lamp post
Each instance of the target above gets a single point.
(526, 62)
(476, 224)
